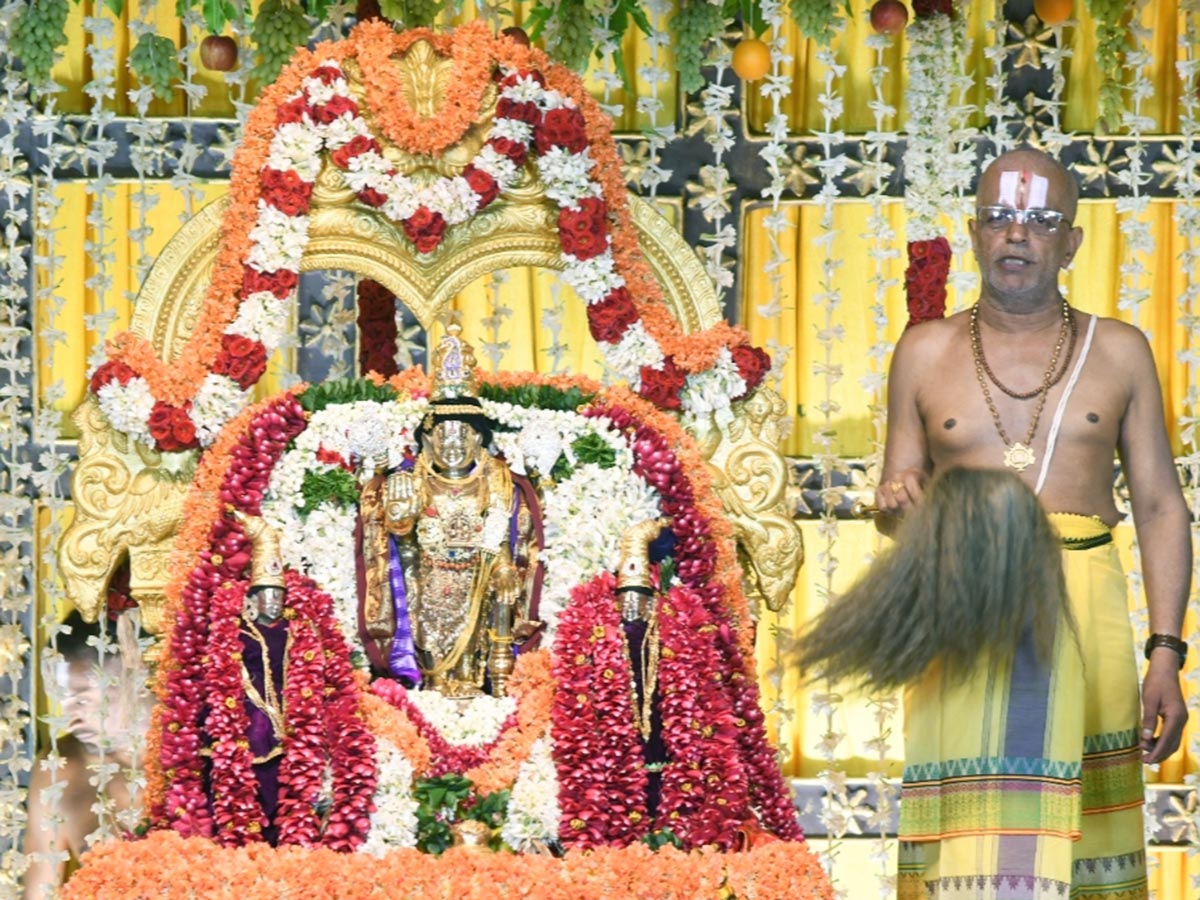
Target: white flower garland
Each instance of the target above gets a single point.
(939, 162)
(184, 180)
(1054, 59)
(394, 821)
(777, 88)
(934, 163)
(472, 722)
(997, 108)
(533, 812)
(882, 249)
(101, 192)
(715, 100)
(584, 518)
(1187, 215)
(658, 133)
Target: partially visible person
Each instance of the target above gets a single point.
(115, 709)
(1023, 381)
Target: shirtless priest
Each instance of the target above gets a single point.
(1041, 794)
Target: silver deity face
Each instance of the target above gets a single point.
(453, 445)
(269, 601)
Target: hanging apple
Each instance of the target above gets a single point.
(889, 16)
(219, 53)
(751, 59)
(517, 35)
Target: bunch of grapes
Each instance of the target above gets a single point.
(155, 61)
(36, 36)
(420, 13)
(696, 23)
(279, 28)
(1111, 41)
(571, 40)
(815, 19)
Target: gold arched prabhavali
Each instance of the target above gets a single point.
(129, 499)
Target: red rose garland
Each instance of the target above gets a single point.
(184, 805)
(376, 329)
(305, 745)
(925, 279)
(328, 719)
(597, 749)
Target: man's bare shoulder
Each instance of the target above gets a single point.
(1122, 345)
(933, 336)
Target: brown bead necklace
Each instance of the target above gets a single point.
(1058, 376)
(1019, 455)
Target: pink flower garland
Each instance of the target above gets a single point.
(696, 552)
(704, 791)
(444, 758)
(238, 814)
(597, 750)
(320, 696)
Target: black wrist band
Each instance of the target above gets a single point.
(1167, 640)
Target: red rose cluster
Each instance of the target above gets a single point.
(661, 386)
(753, 363)
(583, 231)
(286, 191)
(111, 371)
(241, 358)
(563, 127)
(925, 279)
(172, 427)
(425, 229)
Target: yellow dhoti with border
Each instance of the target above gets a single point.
(1024, 782)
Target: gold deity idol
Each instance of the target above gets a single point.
(464, 543)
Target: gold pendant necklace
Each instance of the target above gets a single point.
(1018, 455)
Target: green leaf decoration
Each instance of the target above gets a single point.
(327, 484)
(663, 837)
(591, 448)
(537, 396)
(345, 390)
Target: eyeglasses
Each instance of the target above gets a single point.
(1039, 221)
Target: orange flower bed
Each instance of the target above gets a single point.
(165, 865)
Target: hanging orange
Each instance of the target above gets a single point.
(1052, 12)
(751, 59)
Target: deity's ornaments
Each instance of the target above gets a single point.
(556, 761)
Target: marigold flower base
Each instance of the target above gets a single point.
(168, 865)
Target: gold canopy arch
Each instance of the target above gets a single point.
(129, 498)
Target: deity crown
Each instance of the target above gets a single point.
(266, 561)
(453, 367)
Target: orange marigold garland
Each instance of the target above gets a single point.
(308, 113)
